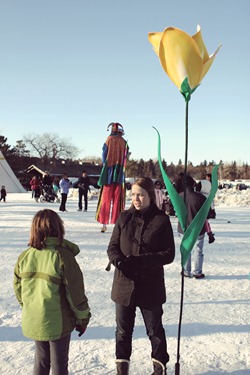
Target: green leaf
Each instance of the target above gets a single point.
(176, 200)
(186, 90)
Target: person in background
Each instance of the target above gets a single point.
(47, 179)
(212, 213)
(141, 244)
(158, 195)
(35, 185)
(55, 186)
(64, 185)
(112, 178)
(194, 202)
(178, 183)
(3, 194)
(83, 189)
(204, 187)
(52, 296)
(168, 207)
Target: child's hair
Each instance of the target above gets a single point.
(46, 223)
(147, 184)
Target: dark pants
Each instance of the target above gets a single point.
(37, 193)
(125, 319)
(83, 193)
(63, 202)
(54, 354)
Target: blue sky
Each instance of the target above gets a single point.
(71, 67)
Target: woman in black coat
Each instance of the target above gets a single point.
(142, 243)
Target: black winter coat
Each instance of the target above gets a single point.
(83, 184)
(148, 235)
(194, 202)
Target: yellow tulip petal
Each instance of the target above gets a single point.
(206, 66)
(155, 39)
(200, 43)
(180, 57)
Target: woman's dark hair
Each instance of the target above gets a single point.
(198, 186)
(46, 223)
(188, 181)
(147, 184)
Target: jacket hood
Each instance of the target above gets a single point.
(72, 247)
(205, 187)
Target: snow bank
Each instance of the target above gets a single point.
(232, 198)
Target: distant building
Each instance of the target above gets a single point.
(73, 170)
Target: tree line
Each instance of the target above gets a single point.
(151, 168)
(50, 148)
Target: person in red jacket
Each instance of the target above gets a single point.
(35, 185)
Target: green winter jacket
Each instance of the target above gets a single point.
(49, 286)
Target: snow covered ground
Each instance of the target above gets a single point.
(215, 327)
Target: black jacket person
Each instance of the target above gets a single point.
(83, 186)
(141, 244)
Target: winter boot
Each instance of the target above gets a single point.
(104, 228)
(211, 238)
(159, 368)
(122, 366)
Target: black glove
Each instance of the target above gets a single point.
(81, 325)
(122, 265)
(80, 329)
(125, 268)
(130, 266)
(134, 263)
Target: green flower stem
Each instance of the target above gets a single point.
(177, 365)
(186, 158)
(186, 140)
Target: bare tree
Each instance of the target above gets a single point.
(50, 146)
(20, 149)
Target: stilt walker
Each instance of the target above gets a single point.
(111, 200)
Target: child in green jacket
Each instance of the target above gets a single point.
(49, 286)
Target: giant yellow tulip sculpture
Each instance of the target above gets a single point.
(186, 61)
(183, 57)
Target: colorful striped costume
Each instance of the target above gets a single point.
(112, 179)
